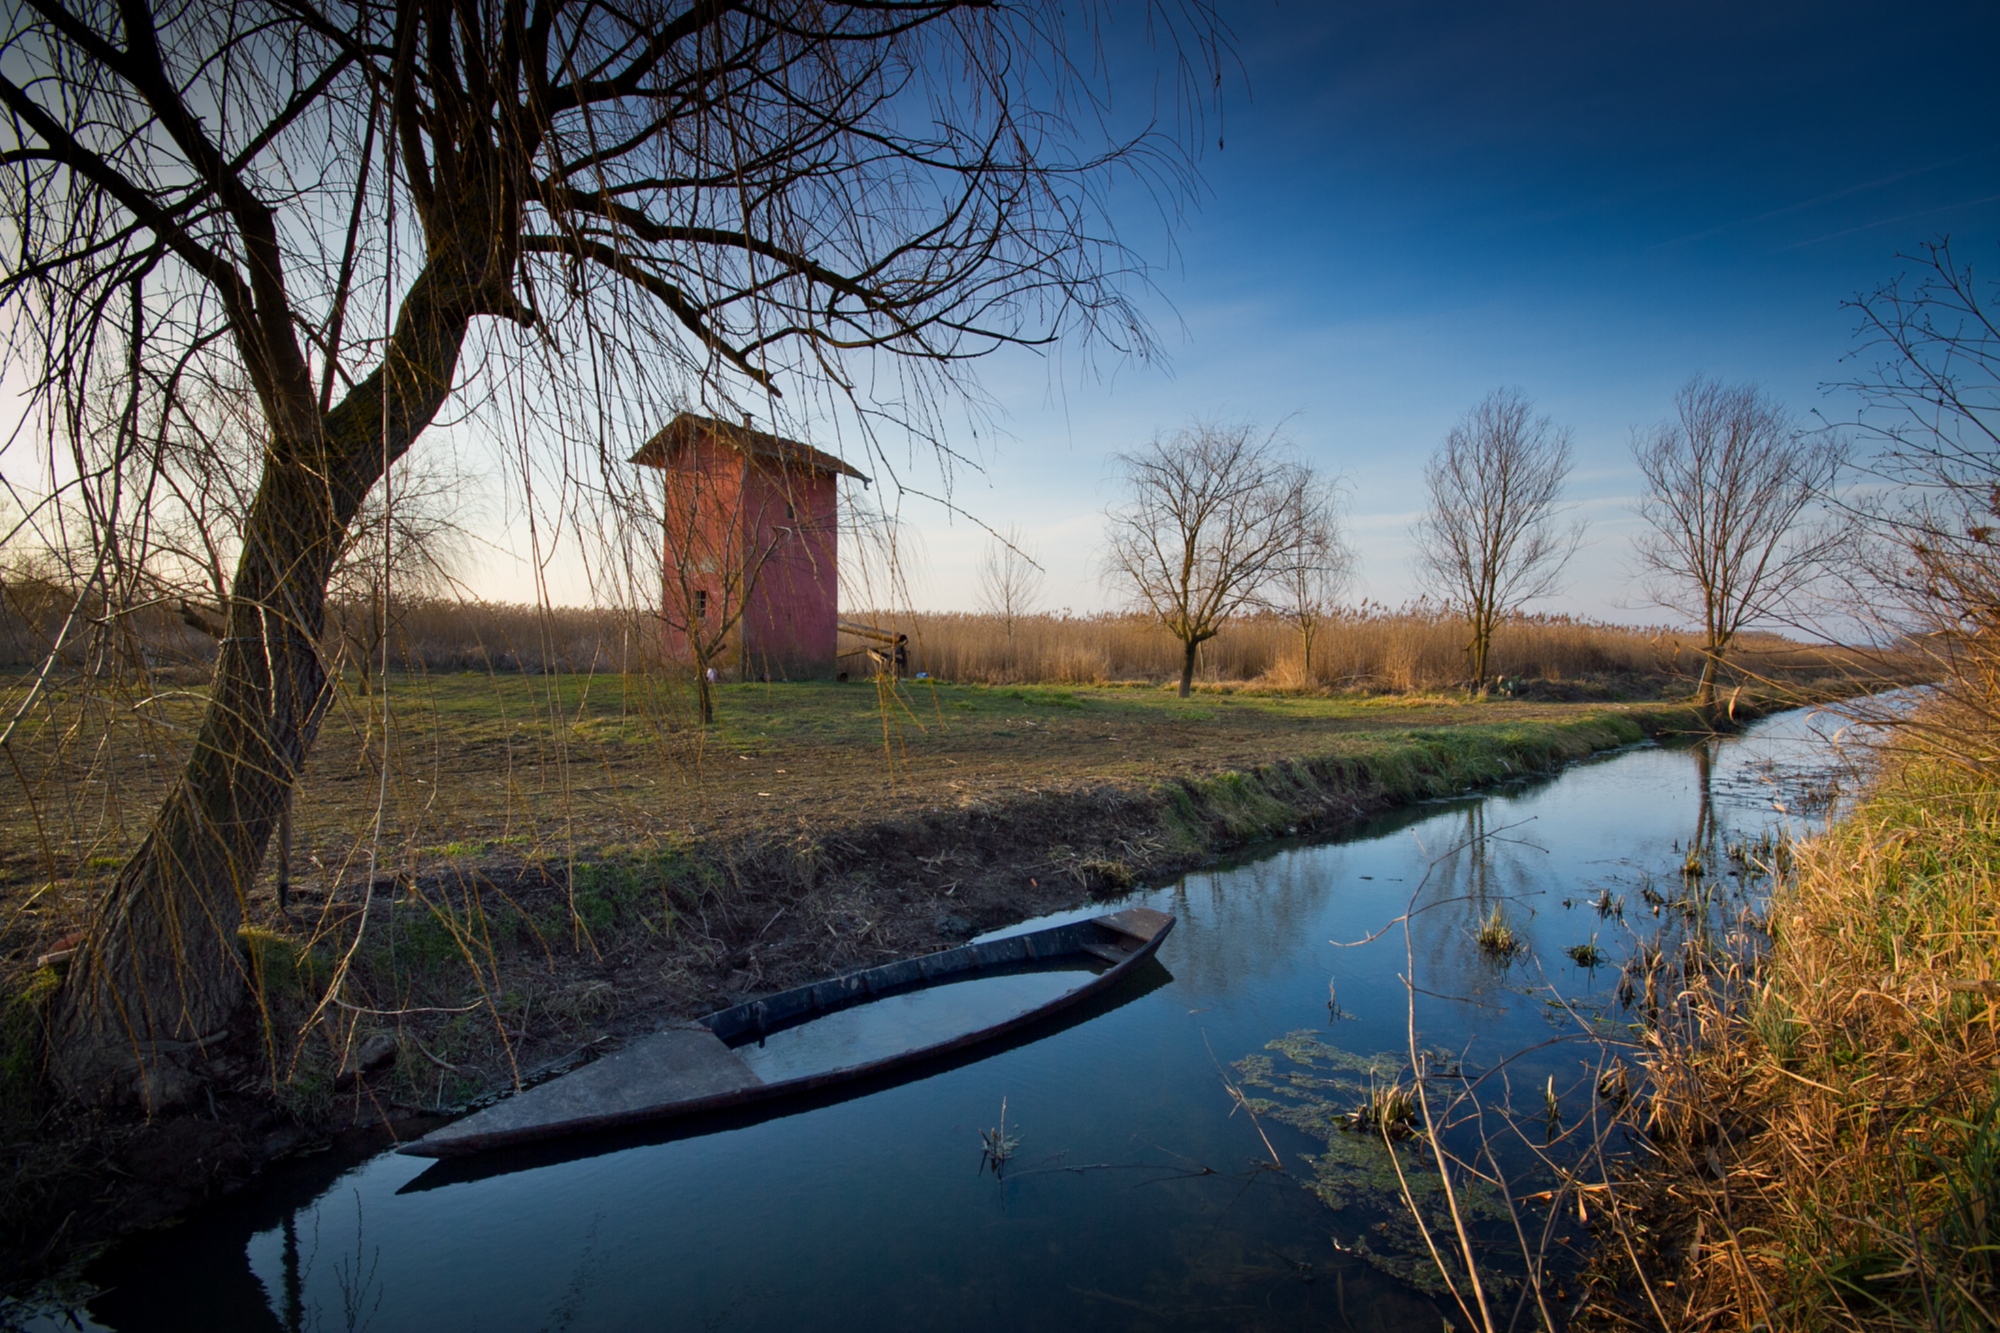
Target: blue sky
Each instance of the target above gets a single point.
(1409, 203)
(1415, 203)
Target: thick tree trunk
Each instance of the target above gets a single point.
(160, 975)
(1187, 668)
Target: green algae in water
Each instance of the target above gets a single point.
(1314, 1090)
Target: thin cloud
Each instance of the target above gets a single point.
(1886, 222)
(1816, 201)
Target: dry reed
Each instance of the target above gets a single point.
(1372, 649)
(1826, 1118)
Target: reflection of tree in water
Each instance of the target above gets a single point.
(1252, 916)
(1484, 867)
(357, 1310)
(294, 1311)
(1705, 825)
(1312, 1087)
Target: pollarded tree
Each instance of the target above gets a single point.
(373, 209)
(1490, 542)
(1730, 481)
(1216, 513)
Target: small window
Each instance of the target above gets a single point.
(700, 603)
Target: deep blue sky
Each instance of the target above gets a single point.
(1418, 202)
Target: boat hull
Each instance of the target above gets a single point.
(691, 1068)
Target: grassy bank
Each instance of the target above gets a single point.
(1827, 1126)
(555, 873)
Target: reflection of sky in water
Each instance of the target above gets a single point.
(898, 1023)
(1133, 1201)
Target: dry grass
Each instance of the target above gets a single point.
(1371, 649)
(442, 634)
(1827, 1123)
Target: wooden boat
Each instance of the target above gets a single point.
(695, 1067)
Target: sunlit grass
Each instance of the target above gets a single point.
(1847, 1096)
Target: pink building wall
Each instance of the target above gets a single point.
(789, 623)
(775, 522)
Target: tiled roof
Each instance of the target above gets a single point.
(683, 430)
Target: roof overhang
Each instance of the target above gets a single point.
(685, 430)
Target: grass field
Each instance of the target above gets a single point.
(574, 764)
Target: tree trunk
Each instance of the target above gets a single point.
(160, 974)
(1704, 693)
(1187, 668)
(1482, 642)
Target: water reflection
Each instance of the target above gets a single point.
(1142, 1193)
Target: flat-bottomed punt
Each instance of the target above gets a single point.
(702, 1066)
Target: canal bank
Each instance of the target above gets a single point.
(1242, 798)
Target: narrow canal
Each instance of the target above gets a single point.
(1141, 1191)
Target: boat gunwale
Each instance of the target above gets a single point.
(468, 1145)
(755, 1019)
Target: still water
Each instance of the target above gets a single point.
(1141, 1194)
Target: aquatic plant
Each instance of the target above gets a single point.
(997, 1145)
(1585, 955)
(1390, 1111)
(1497, 937)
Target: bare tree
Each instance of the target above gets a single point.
(1307, 590)
(369, 210)
(1490, 542)
(1729, 483)
(1010, 580)
(1931, 584)
(404, 545)
(1216, 512)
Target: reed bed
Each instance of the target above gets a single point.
(1827, 1121)
(466, 635)
(1370, 649)
(441, 634)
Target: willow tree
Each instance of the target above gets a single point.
(375, 212)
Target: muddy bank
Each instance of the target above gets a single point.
(566, 958)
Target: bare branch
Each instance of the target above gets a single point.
(1489, 543)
